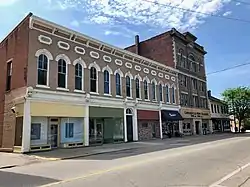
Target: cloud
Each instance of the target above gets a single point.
(153, 13)
(75, 23)
(227, 13)
(237, 4)
(7, 2)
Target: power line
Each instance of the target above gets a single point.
(229, 68)
(198, 12)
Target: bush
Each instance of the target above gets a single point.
(243, 130)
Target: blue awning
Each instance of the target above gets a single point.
(170, 115)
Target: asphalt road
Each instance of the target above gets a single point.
(184, 164)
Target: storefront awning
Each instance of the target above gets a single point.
(170, 115)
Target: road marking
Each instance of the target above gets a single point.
(217, 183)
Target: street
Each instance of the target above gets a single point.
(203, 161)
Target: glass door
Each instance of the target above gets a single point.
(54, 135)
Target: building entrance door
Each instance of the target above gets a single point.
(129, 120)
(54, 135)
(197, 127)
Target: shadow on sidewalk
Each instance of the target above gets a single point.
(115, 151)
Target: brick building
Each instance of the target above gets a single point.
(181, 51)
(60, 88)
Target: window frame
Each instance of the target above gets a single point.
(32, 130)
(160, 87)
(145, 90)
(47, 69)
(173, 94)
(154, 90)
(62, 73)
(69, 133)
(137, 88)
(118, 85)
(167, 94)
(127, 77)
(93, 79)
(9, 75)
(106, 81)
(80, 77)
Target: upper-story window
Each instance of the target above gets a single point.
(118, 84)
(137, 88)
(9, 75)
(182, 59)
(195, 101)
(160, 92)
(106, 82)
(93, 79)
(194, 84)
(78, 77)
(212, 108)
(153, 90)
(128, 87)
(222, 109)
(218, 109)
(146, 93)
(167, 94)
(192, 63)
(184, 99)
(173, 94)
(62, 74)
(42, 70)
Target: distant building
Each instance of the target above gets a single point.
(219, 114)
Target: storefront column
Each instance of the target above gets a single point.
(161, 135)
(26, 128)
(86, 126)
(194, 127)
(125, 126)
(210, 126)
(135, 126)
(181, 126)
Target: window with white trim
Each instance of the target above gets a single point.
(128, 86)
(69, 130)
(78, 77)
(167, 94)
(145, 90)
(118, 84)
(160, 92)
(137, 87)
(173, 94)
(106, 82)
(36, 131)
(93, 79)
(153, 91)
(42, 70)
(62, 73)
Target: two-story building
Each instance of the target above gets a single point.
(182, 52)
(219, 114)
(60, 88)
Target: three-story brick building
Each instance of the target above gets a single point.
(60, 88)
(181, 51)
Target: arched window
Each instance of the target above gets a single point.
(106, 82)
(167, 94)
(145, 90)
(118, 84)
(128, 86)
(129, 111)
(160, 92)
(42, 70)
(93, 79)
(181, 60)
(137, 85)
(153, 90)
(62, 74)
(78, 77)
(173, 94)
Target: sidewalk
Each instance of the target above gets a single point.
(8, 160)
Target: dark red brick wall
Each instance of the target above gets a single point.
(159, 48)
(148, 115)
(15, 46)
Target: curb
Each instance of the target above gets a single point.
(81, 156)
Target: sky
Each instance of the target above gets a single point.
(117, 22)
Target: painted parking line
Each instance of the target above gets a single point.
(228, 176)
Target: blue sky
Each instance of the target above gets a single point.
(116, 22)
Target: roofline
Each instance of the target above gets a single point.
(52, 24)
(19, 24)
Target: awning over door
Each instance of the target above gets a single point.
(170, 115)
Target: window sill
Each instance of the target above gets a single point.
(79, 91)
(42, 86)
(138, 99)
(94, 93)
(154, 101)
(107, 95)
(129, 97)
(147, 100)
(63, 89)
(118, 96)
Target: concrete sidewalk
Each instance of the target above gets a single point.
(8, 160)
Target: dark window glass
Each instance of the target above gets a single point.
(42, 70)
(61, 74)
(35, 131)
(128, 87)
(78, 76)
(9, 74)
(137, 85)
(106, 82)
(153, 91)
(160, 92)
(167, 94)
(145, 89)
(93, 80)
(118, 83)
(173, 94)
(69, 130)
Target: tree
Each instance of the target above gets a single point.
(238, 102)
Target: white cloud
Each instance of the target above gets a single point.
(237, 4)
(227, 13)
(153, 13)
(7, 2)
(75, 23)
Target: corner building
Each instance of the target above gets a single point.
(64, 89)
(182, 52)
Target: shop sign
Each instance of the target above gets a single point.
(197, 114)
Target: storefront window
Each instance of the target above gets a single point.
(69, 130)
(95, 130)
(118, 130)
(35, 131)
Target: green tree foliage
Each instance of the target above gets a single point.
(238, 101)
